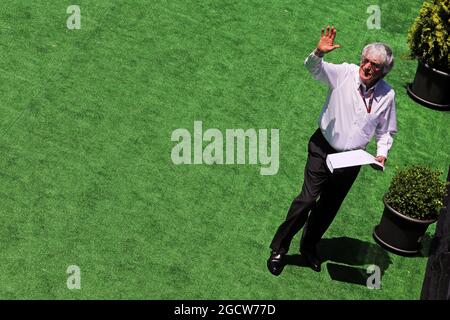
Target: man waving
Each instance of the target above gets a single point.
(359, 105)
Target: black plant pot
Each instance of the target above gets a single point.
(430, 87)
(400, 234)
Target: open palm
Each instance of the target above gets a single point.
(326, 43)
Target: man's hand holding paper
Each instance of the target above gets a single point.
(354, 158)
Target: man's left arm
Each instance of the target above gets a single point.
(386, 129)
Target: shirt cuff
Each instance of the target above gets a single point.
(312, 61)
(317, 54)
(382, 151)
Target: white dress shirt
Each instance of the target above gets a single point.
(344, 120)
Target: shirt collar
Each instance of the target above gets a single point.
(375, 87)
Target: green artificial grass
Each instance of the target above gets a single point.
(86, 118)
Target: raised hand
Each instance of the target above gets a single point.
(326, 43)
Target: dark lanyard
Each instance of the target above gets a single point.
(368, 108)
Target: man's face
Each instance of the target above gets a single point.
(370, 69)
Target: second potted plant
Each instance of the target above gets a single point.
(429, 42)
(411, 205)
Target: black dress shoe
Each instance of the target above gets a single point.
(275, 263)
(311, 258)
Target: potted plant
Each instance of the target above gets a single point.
(411, 204)
(430, 45)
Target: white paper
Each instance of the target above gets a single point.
(350, 159)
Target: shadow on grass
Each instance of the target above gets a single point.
(347, 259)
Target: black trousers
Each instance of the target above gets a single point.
(319, 183)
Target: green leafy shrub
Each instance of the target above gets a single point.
(428, 36)
(417, 192)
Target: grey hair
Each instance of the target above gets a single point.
(382, 50)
